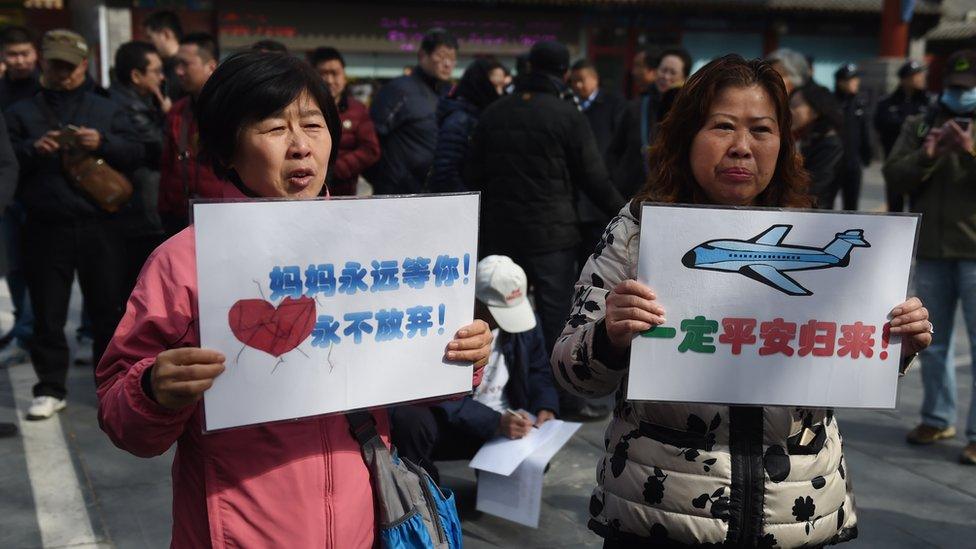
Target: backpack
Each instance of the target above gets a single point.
(414, 513)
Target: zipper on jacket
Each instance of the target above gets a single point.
(746, 498)
(329, 519)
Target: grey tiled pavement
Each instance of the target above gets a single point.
(907, 497)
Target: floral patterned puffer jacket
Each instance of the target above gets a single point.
(696, 474)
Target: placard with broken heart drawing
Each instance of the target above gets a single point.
(326, 306)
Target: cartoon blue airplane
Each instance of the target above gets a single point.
(764, 258)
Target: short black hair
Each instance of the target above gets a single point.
(160, 20)
(15, 34)
(269, 45)
(583, 64)
(323, 54)
(132, 56)
(436, 38)
(205, 42)
(680, 53)
(651, 58)
(251, 86)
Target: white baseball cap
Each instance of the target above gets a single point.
(502, 286)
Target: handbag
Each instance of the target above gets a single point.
(413, 512)
(103, 184)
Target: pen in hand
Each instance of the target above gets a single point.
(516, 414)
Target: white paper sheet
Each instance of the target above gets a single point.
(518, 496)
(501, 455)
(255, 256)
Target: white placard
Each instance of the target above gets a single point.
(305, 331)
(771, 307)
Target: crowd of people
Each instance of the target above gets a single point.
(561, 164)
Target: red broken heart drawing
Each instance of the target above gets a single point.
(258, 324)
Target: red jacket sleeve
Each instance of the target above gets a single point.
(352, 162)
(158, 316)
(170, 185)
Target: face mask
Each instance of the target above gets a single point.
(960, 101)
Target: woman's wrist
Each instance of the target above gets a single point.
(146, 383)
(605, 351)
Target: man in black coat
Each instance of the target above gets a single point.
(65, 230)
(529, 154)
(855, 135)
(604, 111)
(21, 81)
(627, 155)
(8, 184)
(909, 99)
(404, 113)
(164, 30)
(139, 76)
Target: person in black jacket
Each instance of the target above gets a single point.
(517, 379)
(855, 135)
(138, 78)
(457, 116)
(65, 230)
(604, 111)
(404, 113)
(164, 31)
(529, 154)
(909, 99)
(8, 183)
(817, 123)
(628, 151)
(21, 81)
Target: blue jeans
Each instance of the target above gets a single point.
(941, 284)
(11, 225)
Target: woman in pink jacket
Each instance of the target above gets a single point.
(267, 122)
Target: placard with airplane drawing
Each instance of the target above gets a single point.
(771, 307)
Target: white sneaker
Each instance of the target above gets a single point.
(43, 407)
(12, 355)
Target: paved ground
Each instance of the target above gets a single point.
(98, 496)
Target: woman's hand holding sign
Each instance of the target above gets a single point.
(911, 321)
(472, 343)
(631, 308)
(180, 376)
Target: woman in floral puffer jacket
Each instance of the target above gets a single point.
(680, 474)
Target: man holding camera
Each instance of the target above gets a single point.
(934, 161)
(67, 229)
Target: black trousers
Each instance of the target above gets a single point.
(52, 255)
(848, 183)
(552, 276)
(896, 201)
(422, 435)
(850, 186)
(137, 251)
